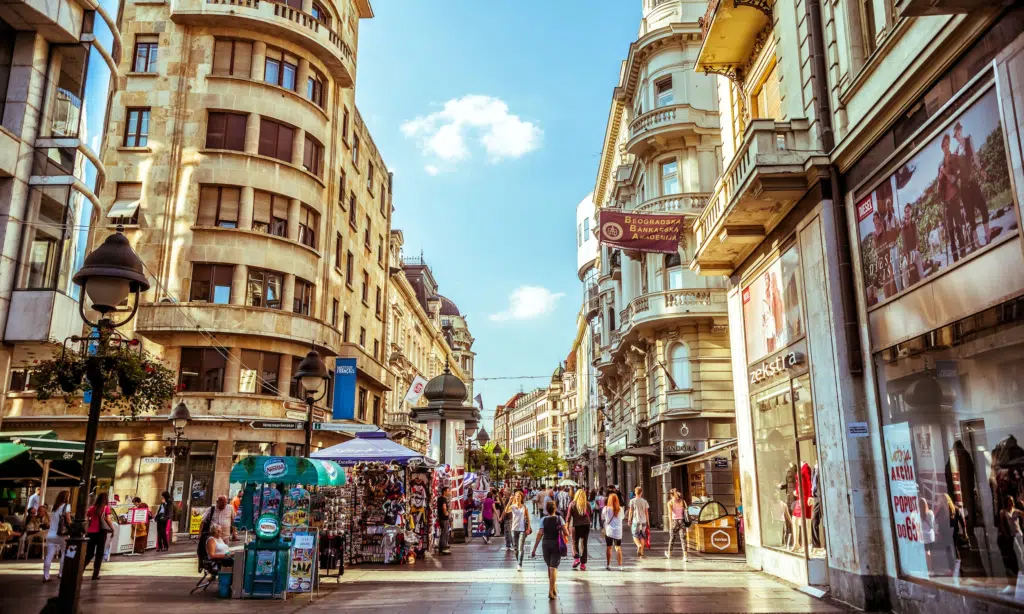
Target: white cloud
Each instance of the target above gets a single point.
(529, 302)
(448, 134)
(431, 169)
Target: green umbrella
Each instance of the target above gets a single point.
(287, 470)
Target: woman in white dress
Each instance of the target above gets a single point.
(60, 522)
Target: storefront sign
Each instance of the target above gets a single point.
(721, 540)
(641, 232)
(694, 429)
(721, 462)
(772, 318)
(949, 200)
(904, 499)
(268, 526)
(782, 363)
(684, 447)
(616, 445)
(274, 467)
(344, 389)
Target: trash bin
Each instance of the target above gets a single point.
(224, 588)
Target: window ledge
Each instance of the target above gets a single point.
(350, 286)
(276, 88)
(142, 74)
(207, 151)
(123, 226)
(126, 149)
(256, 233)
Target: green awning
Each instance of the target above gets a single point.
(287, 470)
(53, 449)
(10, 450)
(12, 435)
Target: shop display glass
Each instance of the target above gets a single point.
(952, 405)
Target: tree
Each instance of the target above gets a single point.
(539, 464)
(495, 464)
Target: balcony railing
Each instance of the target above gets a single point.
(397, 418)
(681, 116)
(691, 202)
(671, 303)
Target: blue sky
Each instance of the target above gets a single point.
(491, 115)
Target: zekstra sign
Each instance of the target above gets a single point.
(780, 364)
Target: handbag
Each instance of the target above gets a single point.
(105, 522)
(563, 548)
(62, 523)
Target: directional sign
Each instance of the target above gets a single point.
(342, 426)
(157, 460)
(279, 425)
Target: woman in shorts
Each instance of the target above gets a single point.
(552, 526)
(612, 515)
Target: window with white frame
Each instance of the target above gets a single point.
(679, 357)
(663, 92)
(669, 177)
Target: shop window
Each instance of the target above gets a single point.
(211, 283)
(125, 210)
(276, 140)
(669, 177)
(259, 372)
(663, 92)
(202, 370)
(313, 156)
(280, 68)
(243, 449)
(679, 364)
(766, 99)
(46, 251)
(309, 222)
(136, 133)
(226, 131)
(315, 87)
(294, 449)
(951, 411)
(270, 213)
(232, 58)
(218, 206)
(303, 304)
(23, 380)
(264, 289)
(146, 46)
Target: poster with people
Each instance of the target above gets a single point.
(949, 200)
(905, 499)
(772, 318)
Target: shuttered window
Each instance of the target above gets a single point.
(276, 140)
(232, 58)
(226, 131)
(270, 213)
(218, 206)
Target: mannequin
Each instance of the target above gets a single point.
(789, 486)
(815, 511)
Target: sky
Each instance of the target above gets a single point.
(491, 116)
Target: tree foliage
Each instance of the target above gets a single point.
(539, 464)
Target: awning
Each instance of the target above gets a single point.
(639, 451)
(12, 435)
(123, 208)
(367, 447)
(708, 454)
(287, 470)
(10, 450)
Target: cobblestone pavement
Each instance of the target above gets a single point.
(477, 577)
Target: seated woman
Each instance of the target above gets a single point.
(217, 549)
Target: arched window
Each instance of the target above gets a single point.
(679, 358)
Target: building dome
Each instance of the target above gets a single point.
(557, 374)
(448, 308)
(445, 388)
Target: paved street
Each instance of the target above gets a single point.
(476, 578)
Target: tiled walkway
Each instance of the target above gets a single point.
(476, 578)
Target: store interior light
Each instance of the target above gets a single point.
(627, 458)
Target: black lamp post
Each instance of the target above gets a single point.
(108, 276)
(312, 375)
(179, 419)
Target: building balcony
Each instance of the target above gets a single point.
(592, 302)
(334, 49)
(657, 307)
(654, 130)
(733, 30)
(690, 202)
(773, 167)
(169, 323)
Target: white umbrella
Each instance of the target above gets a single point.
(567, 482)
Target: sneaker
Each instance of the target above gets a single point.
(575, 563)
(608, 567)
(519, 567)
(620, 567)
(668, 555)
(583, 567)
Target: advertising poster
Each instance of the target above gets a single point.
(195, 522)
(949, 200)
(643, 232)
(300, 564)
(295, 516)
(905, 503)
(772, 318)
(344, 407)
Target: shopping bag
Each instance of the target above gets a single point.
(647, 537)
(563, 549)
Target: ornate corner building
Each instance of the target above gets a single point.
(658, 331)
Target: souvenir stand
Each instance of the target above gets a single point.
(286, 502)
(713, 529)
(389, 495)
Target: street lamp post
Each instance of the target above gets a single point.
(312, 374)
(108, 276)
(179, 419)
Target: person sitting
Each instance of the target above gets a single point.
(217, 550)
(33, 525)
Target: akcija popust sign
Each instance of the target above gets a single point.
(641, 232)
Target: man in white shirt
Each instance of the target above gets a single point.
(223, 514)
(639, 518)
(35, 500)
(563, 499)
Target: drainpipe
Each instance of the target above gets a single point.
(826, 134)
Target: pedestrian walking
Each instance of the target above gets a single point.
(505, 518)
(443, 522)
(612, 517)
(552, 530)
(35, 500)
(520, 525)
(56, 537)
(680, 519)
(99, 526)
(538, 500)
(639, 519)
(579, 520)
(487, 512)
(599, 517)
(164, 513)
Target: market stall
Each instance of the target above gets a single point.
(391, 499)
(713, 530)
(134, 531)
(286, 504)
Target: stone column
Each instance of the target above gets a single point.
(707, 167)
(245, 207)
(302, 75)
(288, 295)
(293, 219)
(307, 6)
(259, 60)
(238, 282)
(233, 370)
(284, 375)
(252, 134)
(628, 293)
(298, 140)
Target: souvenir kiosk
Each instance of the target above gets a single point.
(713, 529)
(283, 505)
(390, 492)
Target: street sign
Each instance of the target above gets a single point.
(560, 474)
(277, 425)
(659, 470)
(296, 414)
(345, 427)
(157, 460)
